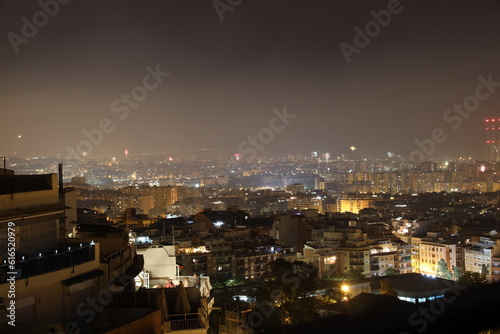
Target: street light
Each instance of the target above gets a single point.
(345, 290)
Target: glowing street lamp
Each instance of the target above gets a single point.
(345, 290)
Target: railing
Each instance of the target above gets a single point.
(107, 259)
(407, 253)
(186, 322)
(356, 256)
(357, 265)
(405, 268)
(190, 281)
(66, 256)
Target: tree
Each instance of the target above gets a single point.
(386, 288)
(391, 271)
(284, 297)
(484, 272)
(222, 282)
(457, 272)
(442, 270)
(217, 282)
(471, 278)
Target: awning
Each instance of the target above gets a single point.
(82, 278)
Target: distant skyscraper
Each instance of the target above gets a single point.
(492, 141)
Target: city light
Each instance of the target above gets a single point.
(271, 223)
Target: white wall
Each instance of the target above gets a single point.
(160, 261)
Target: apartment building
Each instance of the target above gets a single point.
(481, 252)
(432, 251)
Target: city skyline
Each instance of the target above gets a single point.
(238, 166)
(213, 77)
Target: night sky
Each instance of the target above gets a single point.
(226, 77)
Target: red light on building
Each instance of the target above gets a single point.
(492, 139)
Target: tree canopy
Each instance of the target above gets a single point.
(392, 271)
(442, 270)
(287, 291)
(386, 288)
(471, 278)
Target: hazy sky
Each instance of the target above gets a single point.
(226, 77)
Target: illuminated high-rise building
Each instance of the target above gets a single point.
(492, 141)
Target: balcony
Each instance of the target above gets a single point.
(406, 253)
(406, 270)
(358, 267)
(193, 322)
(356, 256)
(68, 255)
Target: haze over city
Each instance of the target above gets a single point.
(228, 69)
(249, 166)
